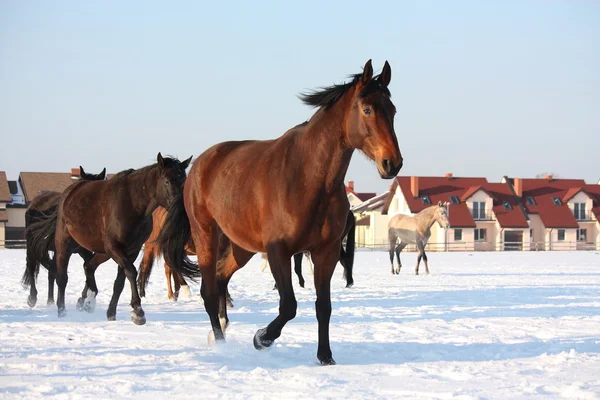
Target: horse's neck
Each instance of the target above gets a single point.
(327, 154)
(426, 220)
(142, 187)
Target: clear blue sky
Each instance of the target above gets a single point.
(482, 88)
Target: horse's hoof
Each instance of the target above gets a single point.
(186, 289)
(349, 285)
(79, 305)
(50, 302)
(89, 306)
(259, 342)
(138, 319)
(111, 317)
(327, 360)
(31, 301)
(302, 284)
(229, 303)
(62, 312)
(175, 296)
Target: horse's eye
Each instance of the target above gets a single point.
(367, 111)
(167, 183)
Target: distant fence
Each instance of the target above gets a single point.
(434, 247)
(487, 246)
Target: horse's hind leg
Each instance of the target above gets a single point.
(92, 262)
(51, 281)
(281, 267)
(170, 293)
(325, 260)
(183, 284)
(391, 251)
(63, 254)
(31, 267)
(117, 252)
(418, 263)
(234, 259)
(298, 268)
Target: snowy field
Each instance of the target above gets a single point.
(481, 326)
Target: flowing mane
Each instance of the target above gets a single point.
(326, 97)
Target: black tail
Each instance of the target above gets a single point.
(347, 256)
(173, 238)
(146, 268)
(40, 240)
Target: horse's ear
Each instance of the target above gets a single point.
(186, 163)
(81, 171)
(439, 203)
(102, 175)
(160, 160)
(367, 74)
(386, 74)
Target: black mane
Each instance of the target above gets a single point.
(326, 97)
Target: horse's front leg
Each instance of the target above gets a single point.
(118, 253)
(88, 300)
(325, 259)
(425, 260)
(281, 267)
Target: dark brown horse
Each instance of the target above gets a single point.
(44, 204)
(283, 197)
(111, 218)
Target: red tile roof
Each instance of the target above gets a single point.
(594, 192)
(438, 189)
(502, 193)
(543, 191)
(4, 189)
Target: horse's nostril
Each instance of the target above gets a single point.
(387, 165)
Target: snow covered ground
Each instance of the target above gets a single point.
(482, 325)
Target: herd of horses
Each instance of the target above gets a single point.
(294, 203)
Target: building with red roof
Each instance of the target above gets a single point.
(482, 215)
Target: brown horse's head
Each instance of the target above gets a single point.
(370, 121)
(172, 177)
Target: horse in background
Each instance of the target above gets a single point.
(42, 205)
(110, 218)
(415, 229)
(295, 202)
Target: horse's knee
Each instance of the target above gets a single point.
(288, 310)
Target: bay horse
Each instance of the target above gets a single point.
(111, 218)
(415, 229)
(283, 197)
(43, 204)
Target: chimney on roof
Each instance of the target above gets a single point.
(518, 186)
(448, 175)
(351, 185)
(75, 173)
(414, 186)
(548, 177)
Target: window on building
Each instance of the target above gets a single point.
(531, 235)
(582, 235)
(480, 234)
(556, 201)
(454, 200)
(507, 205)
(425, 200)
(479, 209)
(579, 211)
(457, 235)
(530, 201)
(561, 235)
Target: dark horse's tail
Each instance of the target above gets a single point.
(173, 238)
(347, 256)
(40, 240)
